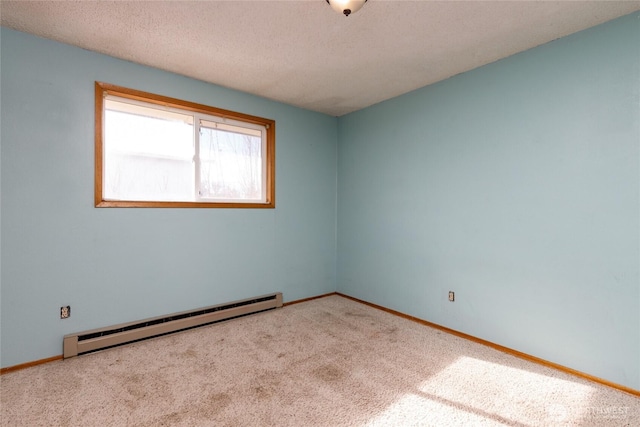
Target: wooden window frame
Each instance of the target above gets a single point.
(104, 89)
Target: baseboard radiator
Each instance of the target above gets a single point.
(100, 339)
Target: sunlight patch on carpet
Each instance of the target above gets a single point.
(420, 410)
(509, 394)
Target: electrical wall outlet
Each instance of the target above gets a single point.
(65, 312)
(452, 296)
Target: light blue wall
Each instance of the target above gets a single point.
(117, 265)
(515, 185)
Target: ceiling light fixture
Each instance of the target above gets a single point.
(347, 7)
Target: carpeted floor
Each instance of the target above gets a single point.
(325, 362)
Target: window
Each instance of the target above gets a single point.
(154, 151)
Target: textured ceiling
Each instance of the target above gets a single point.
(302, 52)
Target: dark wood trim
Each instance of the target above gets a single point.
(102, 89)
(298, 301)
(499, 347)
(29, 364)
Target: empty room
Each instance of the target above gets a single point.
(320, 213)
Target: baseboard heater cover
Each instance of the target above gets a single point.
(99, 339)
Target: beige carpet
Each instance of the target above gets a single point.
(326, 362)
